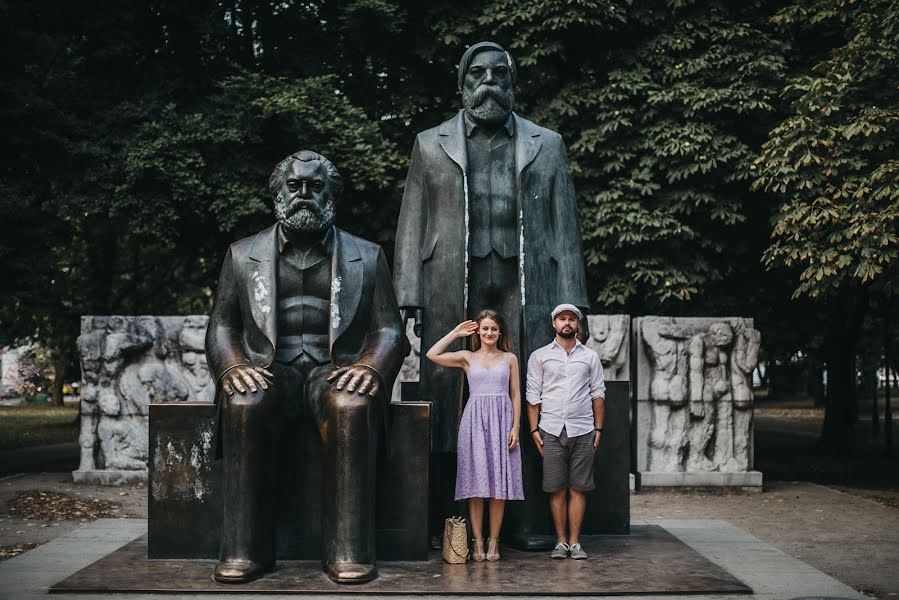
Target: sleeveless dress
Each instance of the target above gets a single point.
(485, 467)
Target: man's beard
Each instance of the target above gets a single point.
(489, 104)
(567, 335)
(303, 215)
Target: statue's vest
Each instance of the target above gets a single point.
(493, 222)
(303, 303)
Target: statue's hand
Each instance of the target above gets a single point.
(244, 378)
(356, 379)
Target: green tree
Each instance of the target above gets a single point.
(833, 162)
(140, 141)
(663, 106)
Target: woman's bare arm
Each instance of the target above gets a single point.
(515, 394)
(438, 353)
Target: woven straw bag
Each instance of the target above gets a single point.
(455, 540)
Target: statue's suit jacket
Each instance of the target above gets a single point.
(365, 326)
(431, 263)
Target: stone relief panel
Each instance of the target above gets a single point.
(128, 363)
(610, 339)
(694, 395)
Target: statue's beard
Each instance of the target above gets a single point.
(304, 216)
(489, 104)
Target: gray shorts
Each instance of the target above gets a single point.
(568, 462)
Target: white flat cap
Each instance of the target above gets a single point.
(568, 307)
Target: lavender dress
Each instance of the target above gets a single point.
(486, 468)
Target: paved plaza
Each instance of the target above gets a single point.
(770, 573)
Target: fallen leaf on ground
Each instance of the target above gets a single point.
(7, 552)
(56, 506)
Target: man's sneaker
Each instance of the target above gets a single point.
(560, 551)
(577, 553)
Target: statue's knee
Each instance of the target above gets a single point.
(248, 403)
(342, 401)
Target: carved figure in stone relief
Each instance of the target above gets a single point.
(709, 384)
(705, 365)
(607, 338)
(104, 353)
(90, 348)
(142, 383)
(668, 390)
(743, 360)
(191, 343)
(124, 443)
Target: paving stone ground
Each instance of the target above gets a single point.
(847, 529)
(849, 537)
(771, 573)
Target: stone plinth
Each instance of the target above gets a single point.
(694, 401)
(110, 477)
(127, 363)
(185, 501)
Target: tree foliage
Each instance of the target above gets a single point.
(834, 159)
(663, 106)
(140, 136)
(140, 146)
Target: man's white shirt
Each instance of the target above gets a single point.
(565, 385)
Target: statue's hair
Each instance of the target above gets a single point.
(476, 49)
(277, 178)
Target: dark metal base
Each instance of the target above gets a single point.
(532, 542)
(185, 503)
(648, 561)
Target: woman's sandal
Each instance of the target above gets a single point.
(494, 544)
(477, 554)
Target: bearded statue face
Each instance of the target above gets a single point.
(305, 201)
(487, 88)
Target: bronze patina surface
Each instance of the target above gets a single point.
(649, 561)
(304, 323)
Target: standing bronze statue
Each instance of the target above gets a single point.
(305, 320)
(488, 220)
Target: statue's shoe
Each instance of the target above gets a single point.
(351, 572)
(237, 571)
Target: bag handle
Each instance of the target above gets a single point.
(454, 523)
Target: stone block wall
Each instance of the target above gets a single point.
(691, 379)
(694, 400)
(127, 363)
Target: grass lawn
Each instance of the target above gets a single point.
(37, 425)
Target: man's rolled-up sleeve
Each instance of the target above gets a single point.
(534, 392)
(597, 382)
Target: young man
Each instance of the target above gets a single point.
(566, 393)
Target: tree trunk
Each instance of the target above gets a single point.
(838, 398)
(888, 406)
(60, 365)
(840, 406)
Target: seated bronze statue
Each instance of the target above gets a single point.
(305, 321)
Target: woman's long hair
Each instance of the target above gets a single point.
(503, 342)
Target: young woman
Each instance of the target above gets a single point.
(489, 457)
